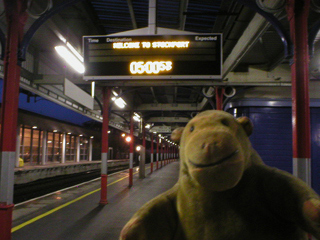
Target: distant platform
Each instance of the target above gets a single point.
(29, 173)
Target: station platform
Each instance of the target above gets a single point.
(75, 213)
(30, 173)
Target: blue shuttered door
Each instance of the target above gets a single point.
(272, 136)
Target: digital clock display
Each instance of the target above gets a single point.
(197, 56)
(150, 67)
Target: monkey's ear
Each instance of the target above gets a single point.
(246, 124)
(176, 134)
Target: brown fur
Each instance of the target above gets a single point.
(225, 192)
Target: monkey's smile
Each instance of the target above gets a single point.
(215, 163)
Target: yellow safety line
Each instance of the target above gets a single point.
(62, 206)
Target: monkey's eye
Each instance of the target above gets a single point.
(225, 122)
(191, 128)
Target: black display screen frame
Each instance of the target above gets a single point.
(202, 59)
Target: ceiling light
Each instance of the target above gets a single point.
(70, 58)
(118, 100)
(128, 139)
(136, 117)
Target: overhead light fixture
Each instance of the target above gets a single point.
(136, 117)
(71, 58)
(118, 100)
(128, 139)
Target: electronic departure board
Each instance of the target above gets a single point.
(196, 56)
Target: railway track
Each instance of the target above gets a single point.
(27, 191)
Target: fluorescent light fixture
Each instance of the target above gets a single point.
(93, 86)
(70, 58)
(118, 100)
(136, 117)
(75, 52)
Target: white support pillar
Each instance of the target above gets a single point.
(63, 150)
(7, 160)
(152, 17)
(44, 149)
(90, 150)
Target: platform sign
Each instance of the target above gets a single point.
(161, 129)
(196, 56)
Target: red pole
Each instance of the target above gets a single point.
(161, 150)
(219, 97)
(298, 12)
(151, 159)
(16, 17)
(105, 146)
(131, 152)
(166, 153)
(157, 139)
(143, 134)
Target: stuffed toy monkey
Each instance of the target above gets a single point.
(225, 192)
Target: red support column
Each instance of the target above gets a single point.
(16, 17)
(166, 153)
(157, 139)
(219, 97)
(151, 159)
(105, 146)
(131, 152)
(161, 154)
(298, 12)
(143, 125)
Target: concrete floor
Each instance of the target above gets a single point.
(71, 215)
